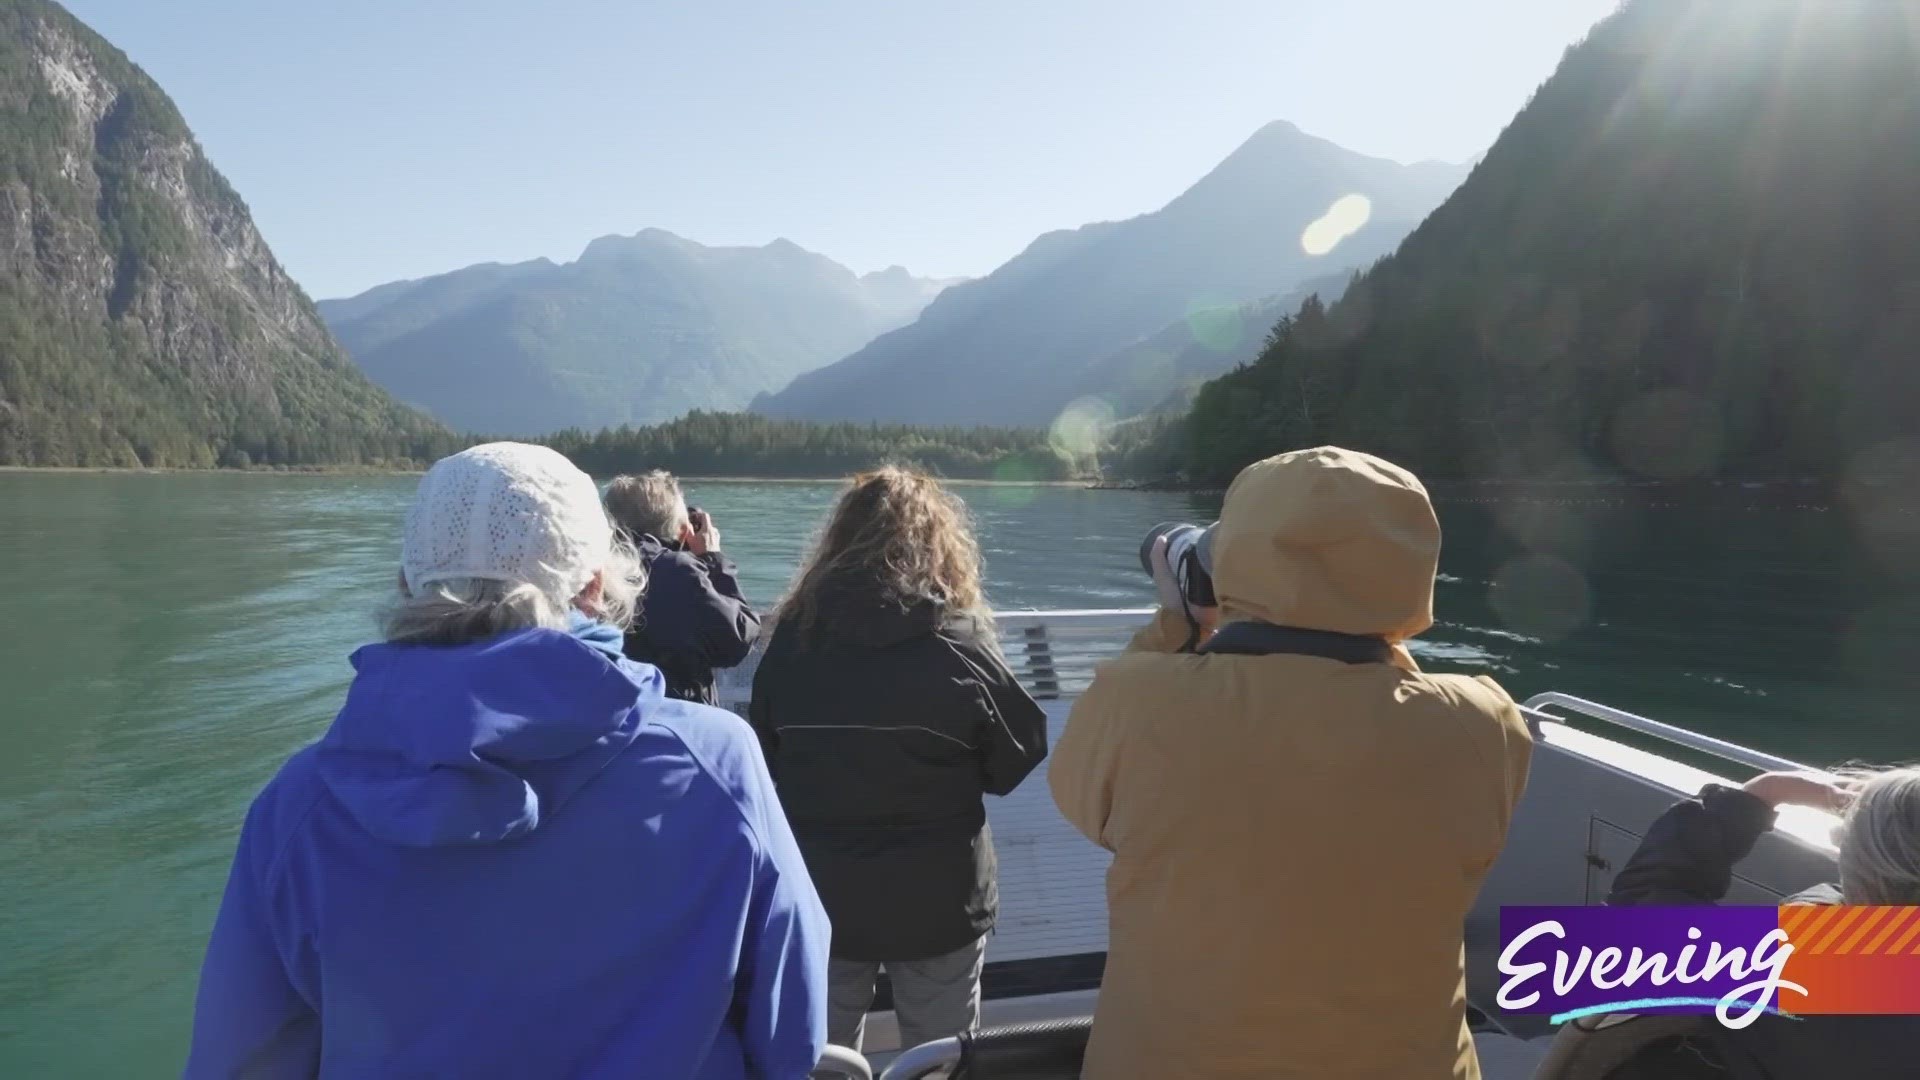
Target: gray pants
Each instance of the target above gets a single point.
(933, 999)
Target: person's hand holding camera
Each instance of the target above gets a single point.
(1167, 585)
(699, 535)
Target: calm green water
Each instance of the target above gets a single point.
(165, 641)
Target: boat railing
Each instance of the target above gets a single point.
(1536, 709)
(840, 1063)
(1053, 653)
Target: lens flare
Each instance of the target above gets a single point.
(1348, 215)
(1876, 492)
(1215, 327)
(1013, 486)
(1080, 428)
(1541, 597)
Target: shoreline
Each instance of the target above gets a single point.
(349, 471)
(125, 470)
(1807, 494)
(951, 481)
(1819, 495)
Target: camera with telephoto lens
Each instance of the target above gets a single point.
(1189, 554)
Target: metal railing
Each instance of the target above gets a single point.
(840, 1063)
(1053, 653)
(1537, 705)
(1041, 1050)
(914, 1062)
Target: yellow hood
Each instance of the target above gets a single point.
(1328, 539)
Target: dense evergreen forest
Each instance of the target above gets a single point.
(1695, 254)
(742, 444)
(701, 444)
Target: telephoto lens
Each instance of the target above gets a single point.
(1189, 553)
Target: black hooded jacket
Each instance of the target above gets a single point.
(692, 620)
(883, 729)
(1688, 858)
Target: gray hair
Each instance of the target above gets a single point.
(463, 610)
(647, 505)
(1880, 840)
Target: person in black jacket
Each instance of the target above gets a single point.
(886, 711)
(1688, 857)
(693, 619)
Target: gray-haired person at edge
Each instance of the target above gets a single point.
(1300, 817)
(1688, 857)
(512, 855)
(887, 712)
(693, 619)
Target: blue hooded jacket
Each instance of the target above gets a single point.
(516, 858)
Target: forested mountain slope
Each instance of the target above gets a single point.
(1017, 346)
(143, 321)
(1695, 253)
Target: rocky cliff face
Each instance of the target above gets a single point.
(143, 320)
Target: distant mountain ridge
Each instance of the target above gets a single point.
(637, 330)
(143, 320)
(1016, 346)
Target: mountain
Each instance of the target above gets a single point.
(1014, 347)
(898, 298)
(143, 321)
(1695, 253)
(638, 330)
(1161, 373)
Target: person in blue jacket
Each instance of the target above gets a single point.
(512, 855)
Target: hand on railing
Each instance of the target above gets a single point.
(1801, 789)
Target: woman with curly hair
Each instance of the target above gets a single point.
(886, 712)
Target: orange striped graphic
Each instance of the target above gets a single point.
(1902, 916)
(1874, 916)
(1794, 916)
(1853, 960)
(1814, 925)
(1852, 929)
(1900, 945)
(1840, 926)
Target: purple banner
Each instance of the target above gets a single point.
(1578, 961)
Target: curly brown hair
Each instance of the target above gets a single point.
(901, 530)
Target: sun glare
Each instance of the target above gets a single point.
(1346, 216)
(1079, 428)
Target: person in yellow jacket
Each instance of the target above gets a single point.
(1296, 838)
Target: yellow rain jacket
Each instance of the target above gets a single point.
(1296, 840)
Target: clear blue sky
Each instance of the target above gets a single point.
(382, 139)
